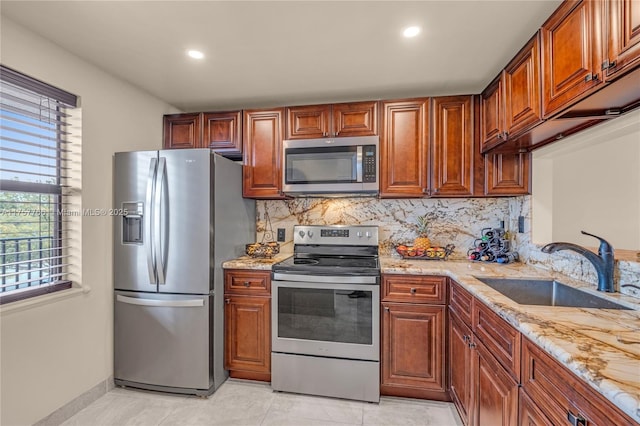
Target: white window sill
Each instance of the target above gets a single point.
(44, 299)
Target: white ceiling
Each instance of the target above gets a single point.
(270, 53)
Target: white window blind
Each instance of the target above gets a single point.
(37, 157)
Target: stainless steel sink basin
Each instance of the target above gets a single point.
(530, 291)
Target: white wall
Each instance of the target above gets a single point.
(51, 353)
(591, 182)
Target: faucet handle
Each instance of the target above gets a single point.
(605, 247)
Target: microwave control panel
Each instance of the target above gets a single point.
(369, 163)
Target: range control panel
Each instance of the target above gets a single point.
(336, 234)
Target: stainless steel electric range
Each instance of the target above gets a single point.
(326, 314)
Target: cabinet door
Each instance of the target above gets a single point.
(529, 413)
(403, 148)
(452, 146)
(247, 322)
(460, 366)
(262, 150)
(355, 119)
(223, 132)
(413, 350)
(306, 122)
(492, 115)
(522, 90)
(623, 52)
(182, 131)
(496, 392)
(572, 54)
(507, 174)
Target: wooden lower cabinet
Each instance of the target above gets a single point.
(413, 351)
(495, 391)
(413, 336)
(560, 395)
(482, 390)
(247, 324)
(528, 412)
(460, 357)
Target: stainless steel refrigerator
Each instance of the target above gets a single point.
(182, 215)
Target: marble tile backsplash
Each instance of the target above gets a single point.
(457, 221)
(452, 221)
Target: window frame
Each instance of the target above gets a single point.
(63, 100)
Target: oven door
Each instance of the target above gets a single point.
(329, 318)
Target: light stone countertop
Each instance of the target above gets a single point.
(246, 262)
(601, 346)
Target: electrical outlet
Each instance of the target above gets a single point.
(281, 234)
(521, 224)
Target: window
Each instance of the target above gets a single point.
(36, 170)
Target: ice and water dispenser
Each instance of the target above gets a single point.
(132, 222)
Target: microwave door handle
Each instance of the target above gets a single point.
(359, 164)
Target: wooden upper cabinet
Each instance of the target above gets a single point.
(507, 174)
(182, 131)
(222, 132)
(337, 120)
(452, 146)
(571, 54)
(355, 119)
(308, 122)
(403, 148)
(262, 150)
(623, 37)
(219, 131)
(522, 107)
(492, 114)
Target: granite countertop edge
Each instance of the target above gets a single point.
(591, 353)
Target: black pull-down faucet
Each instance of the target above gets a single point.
(603, 261)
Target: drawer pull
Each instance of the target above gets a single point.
(472, 345)
(414, 290)
(576, 420)
(246, 284)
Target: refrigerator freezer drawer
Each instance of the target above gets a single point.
(163, 340)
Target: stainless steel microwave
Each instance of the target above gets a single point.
(332, 166)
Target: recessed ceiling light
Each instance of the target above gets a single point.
(195, 54)
(411, 32)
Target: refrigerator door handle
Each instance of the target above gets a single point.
(161, 217)
(186, 303)
(149, 223)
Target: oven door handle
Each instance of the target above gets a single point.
(328, 279)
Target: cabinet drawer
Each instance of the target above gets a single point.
(257, 283)
(460, 302)
(559, 393)
(502, 340)
(414, 289)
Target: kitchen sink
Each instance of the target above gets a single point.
(530, 291)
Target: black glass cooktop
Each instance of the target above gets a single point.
(329, 265)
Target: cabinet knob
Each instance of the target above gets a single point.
(414, 290)
(472, 345)
(386, 309)
(246, 284)
(465, 338)
(227, 301)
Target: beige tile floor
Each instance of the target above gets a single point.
(247, 403)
